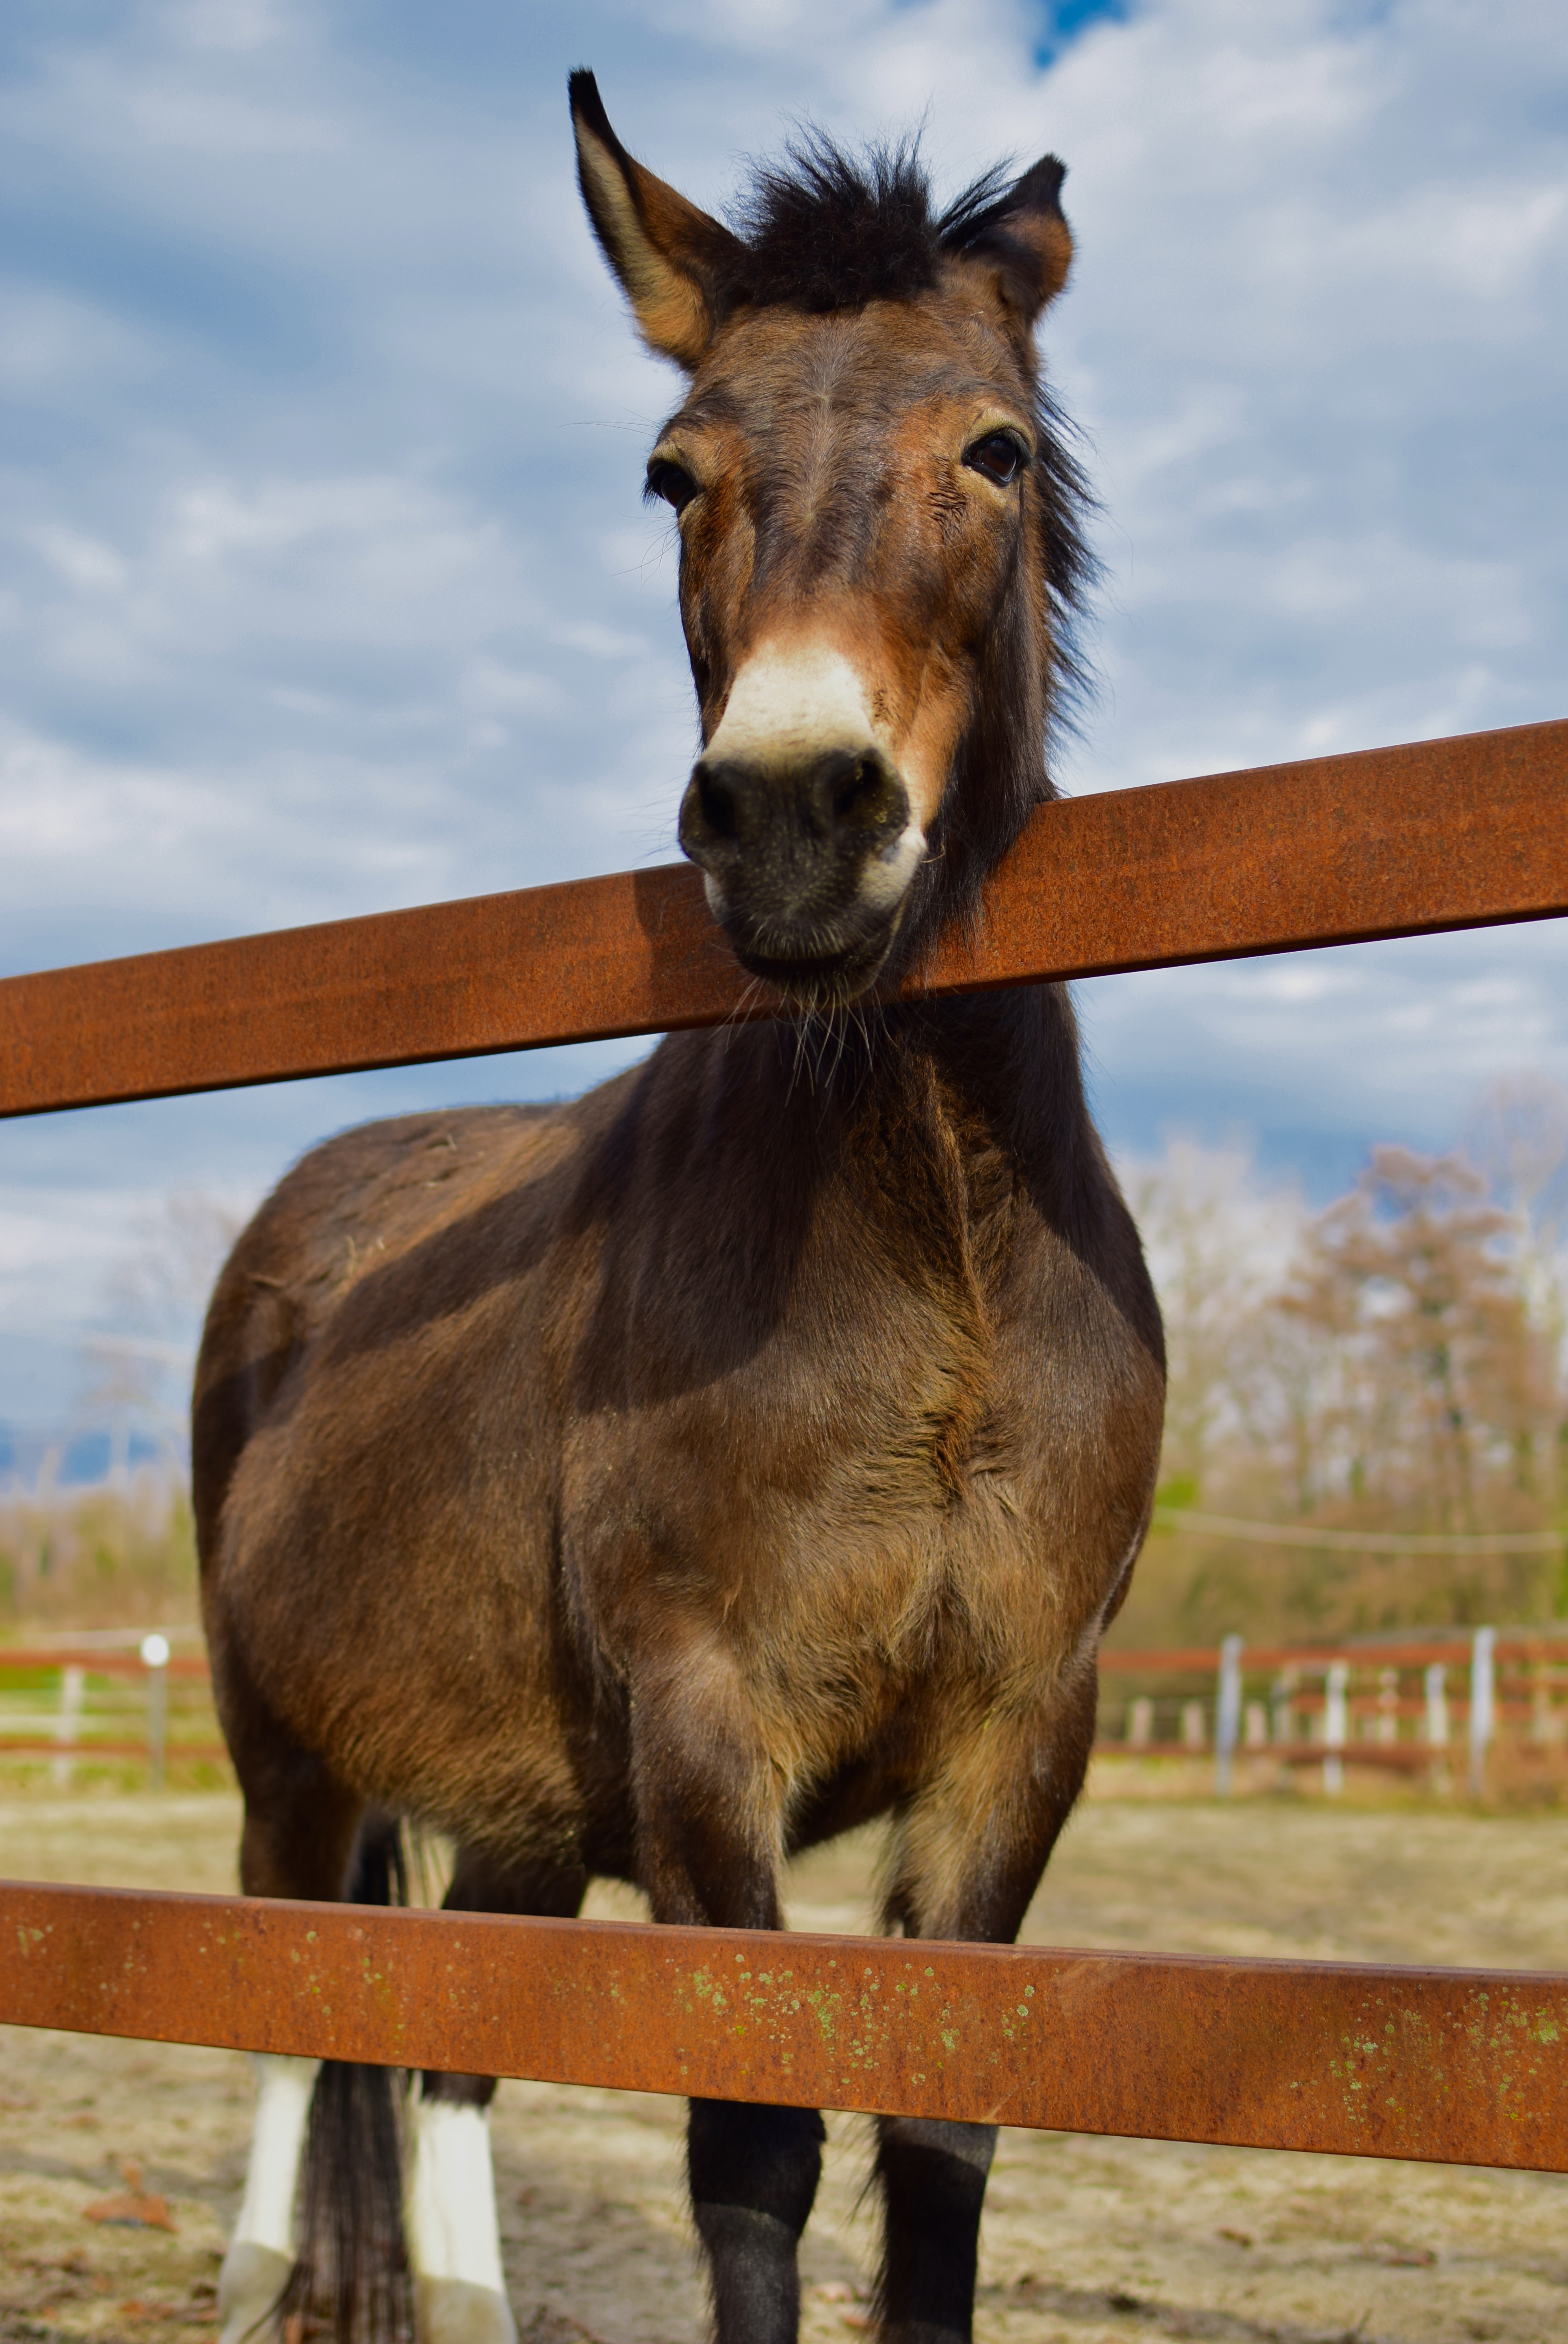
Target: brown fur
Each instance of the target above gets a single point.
(656, 1484)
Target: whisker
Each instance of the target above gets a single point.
(737, 1011)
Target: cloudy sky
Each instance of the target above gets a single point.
(324, 584)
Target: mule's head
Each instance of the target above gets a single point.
(879, 535)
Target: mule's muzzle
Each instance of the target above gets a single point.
(807, 865)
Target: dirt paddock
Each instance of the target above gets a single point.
(1084, 2240)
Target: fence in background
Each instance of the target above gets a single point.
(1443, 1706)
(1468, 2066)
(72, 1706)
(1437, 1706)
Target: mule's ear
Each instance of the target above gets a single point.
(1025, 243)
(668, 255)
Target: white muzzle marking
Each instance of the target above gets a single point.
(783, 704)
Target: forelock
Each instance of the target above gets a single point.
(827, 230)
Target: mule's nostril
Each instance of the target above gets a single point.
(716, 800)
(862, 777)
(718, 811)
(792, 828)
(860, 794)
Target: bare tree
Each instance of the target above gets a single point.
(1217, 1241)
(1517, 1134)
(1447, 1378)
(139, 1366)
(1394, 1362)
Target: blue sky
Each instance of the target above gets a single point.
(324, 584)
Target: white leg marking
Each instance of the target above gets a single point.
(261, 2251)
(452, 2218)
(283, 2089)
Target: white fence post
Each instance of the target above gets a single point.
(1482, 1705)
(1437, 1706)
(1336, 1721)
(68, 1723)
(1227, 1716)
(155, 1659)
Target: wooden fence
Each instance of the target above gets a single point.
(1467, 2066)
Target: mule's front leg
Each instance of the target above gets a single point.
(932, 2176)
(708, 1854)
(970, 1853)
(753, 2173)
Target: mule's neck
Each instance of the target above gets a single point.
(999, 1084)
(988, 1085)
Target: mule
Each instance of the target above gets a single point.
(656, 1485)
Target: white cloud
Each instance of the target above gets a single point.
(82, 561)
(242, 26)
(54, 343)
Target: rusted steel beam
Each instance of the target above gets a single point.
(1119, 1748)
(1449, 833)
(1185, 1660)
(1365, 1658)
(1394, 1755)
(18, 1659)
(40, 1745)
(1467, 2066)
(1514, 1645)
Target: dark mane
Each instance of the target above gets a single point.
(829, 230)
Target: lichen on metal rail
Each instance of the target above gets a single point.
(1459, 2067)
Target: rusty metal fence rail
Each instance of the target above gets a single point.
(1464, 832)
(1467, 2066)
(1462, 2066)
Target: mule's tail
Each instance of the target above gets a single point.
(351, 2278)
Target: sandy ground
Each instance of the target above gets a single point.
(1084, 2240)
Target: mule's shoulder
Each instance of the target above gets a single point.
(357, 1200)
(372, 1159)
(374, 1189)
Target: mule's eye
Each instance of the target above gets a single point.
(998, 455)
(671, 481)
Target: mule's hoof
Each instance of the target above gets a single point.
(248, 2286)
(455, 2311)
